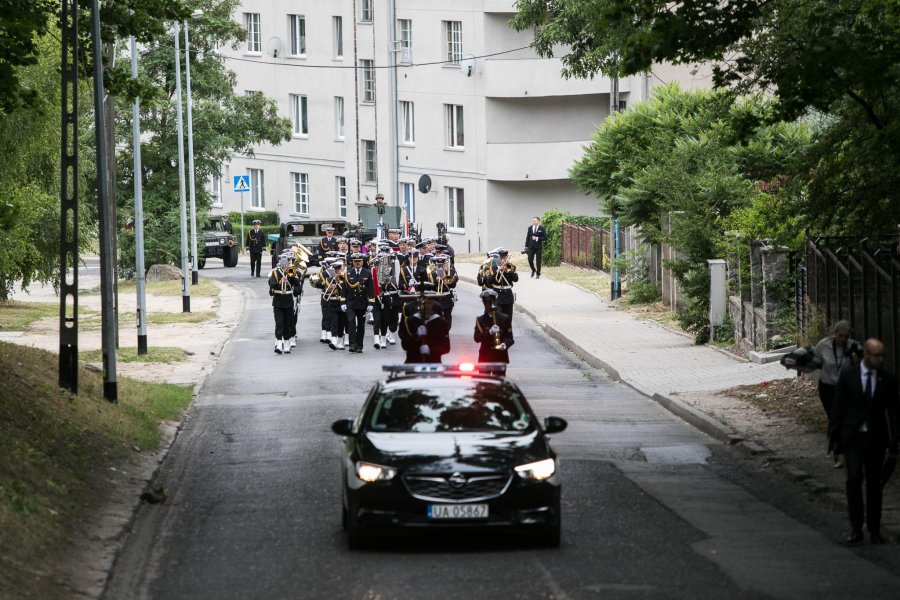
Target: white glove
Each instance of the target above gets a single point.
(421, 331)
(424, 349)
(503, 346)
(494, 330)
(343, 308)
(369, 308)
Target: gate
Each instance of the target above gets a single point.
(853, 280)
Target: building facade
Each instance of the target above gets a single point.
(469, 108)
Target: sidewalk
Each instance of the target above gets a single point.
(687, 380)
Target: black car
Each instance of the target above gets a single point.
(449, 447)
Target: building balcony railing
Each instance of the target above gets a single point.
(524, 77)
(532, 161)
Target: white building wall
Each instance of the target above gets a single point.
(525, 125)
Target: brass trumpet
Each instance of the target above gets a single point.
(498, 338)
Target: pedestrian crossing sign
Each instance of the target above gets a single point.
(241, 183)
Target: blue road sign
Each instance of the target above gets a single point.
(241, 183)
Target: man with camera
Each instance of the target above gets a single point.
(534, 240)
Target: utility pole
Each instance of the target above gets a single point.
(615, 282)
(185, 288)
(195, 276)
(107, 228)
(68, 200)
(138, 214)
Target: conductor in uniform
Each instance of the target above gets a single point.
(226, 225)
(493, 330)
(359, 299)
(328, 243)
(256, 242)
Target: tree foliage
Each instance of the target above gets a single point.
(687, 167)
(223, 123)
(840, 58)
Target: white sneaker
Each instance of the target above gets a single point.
(340, 344)
(378, 342)
(390, 339)
(278, 348)
(293, 342)
(325, 337)
(333, 343)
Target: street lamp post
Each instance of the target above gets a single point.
(138, 214)
(185, 288)
(195, 277)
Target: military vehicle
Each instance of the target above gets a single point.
(307, 232)
(218, 243)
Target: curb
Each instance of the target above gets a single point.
(697, 419)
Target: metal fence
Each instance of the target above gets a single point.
(854, 280)
(585, 246)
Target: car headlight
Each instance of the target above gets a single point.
(371, 473)
(221, 241)
(539, 471)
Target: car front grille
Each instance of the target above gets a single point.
(457, 487)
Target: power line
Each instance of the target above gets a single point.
(439, 62)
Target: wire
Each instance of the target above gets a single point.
(439, 62)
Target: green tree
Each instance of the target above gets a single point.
(223, 123)
(838, 57)
(681, 164)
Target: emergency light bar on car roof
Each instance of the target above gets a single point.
(495, 369)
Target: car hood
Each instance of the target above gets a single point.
(453, 451)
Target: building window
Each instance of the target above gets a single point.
(409, 201)
(298, 35)
(371, 162)
(339, 117)
(405, 30)
(341, 184)
(257, 188)
(299, 116)
(301, 192)
(254, 35)
(408, 122)
(337, 24)
(366, 10)
(456, 209)
(455, 128)
(368, 72)
(215, 190)
(454, 41)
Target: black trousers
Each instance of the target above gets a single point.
(384, 315)
(338, 319)
(863, 459)
(326, 317)
(826, 397)
(534, 257)
(356, 326)
(507, 309)
(284, 322)
(255, 263)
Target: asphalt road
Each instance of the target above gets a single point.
(651, 507)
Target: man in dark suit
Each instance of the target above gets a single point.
(865, 421)
(534, 241)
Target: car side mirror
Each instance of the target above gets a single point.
(343, 427)
(554, 424)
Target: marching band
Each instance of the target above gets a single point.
(404, 287)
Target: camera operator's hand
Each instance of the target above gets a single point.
(494, 330)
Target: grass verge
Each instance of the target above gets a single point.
(165, 354)
(53, 445)
(18, 316)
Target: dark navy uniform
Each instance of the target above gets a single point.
(359, 298)
(494, 344)
(256, 243)
(283, 289)
(426, 345)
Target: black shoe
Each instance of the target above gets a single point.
(331, 345)
(876, 538)
(359, 350)
(352, 349)
(538, 276)
(258, 275)
(532, 273)
(855, 537)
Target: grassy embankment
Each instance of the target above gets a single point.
(54, 444)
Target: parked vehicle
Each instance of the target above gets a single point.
(307, 232)
(218, 243)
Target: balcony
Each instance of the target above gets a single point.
(521, 77)
(532, 161)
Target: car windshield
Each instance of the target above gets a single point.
(434, 405)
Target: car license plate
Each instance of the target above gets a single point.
(457, 511)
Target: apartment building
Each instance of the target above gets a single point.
(471, 128)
